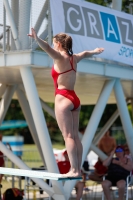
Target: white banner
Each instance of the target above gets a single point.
(92, 26)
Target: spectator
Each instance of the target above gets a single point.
(129, 156)
(99, 171)
(2, 162)
(127, 151)
(64, 167)
(85, 172)
(85, 166)
(107, 143)
(13, 194)
(118, 170)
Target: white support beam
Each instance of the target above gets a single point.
(49, 30)
(49, 110)
(4, 29)
(28, 116)
(124, 114)
(18, 162)
(41, 17)
(106, 127)
(40, 124)
(49, 25)
(40, 59)
(100, 154)
(93, 124)
(5, 101)
(12, 23)
(95, 149)
(15, 12)
(117, 4)
(24, 23)
(96, 116)
(2, 89)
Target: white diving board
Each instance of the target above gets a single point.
(36, 174)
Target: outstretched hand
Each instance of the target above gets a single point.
(98, 50)
(113, 151)
(33, 33)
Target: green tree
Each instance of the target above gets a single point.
(100, 2)
(125, 4)
(86, 112)
(130, 111)
(15, 113)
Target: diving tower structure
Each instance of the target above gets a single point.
(25, 73)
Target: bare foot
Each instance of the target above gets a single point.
(72, 174)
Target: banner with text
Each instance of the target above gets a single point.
(92, 26)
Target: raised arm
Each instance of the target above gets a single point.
(44, 45)
(86, 54)
(128, 165)
(108, 160)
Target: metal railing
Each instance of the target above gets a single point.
(5, 38)
(30, 157)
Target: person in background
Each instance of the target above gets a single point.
(2, 162)
(99, 172)
(64, 167)
(127, 152)
(129, 156)
(118, 170)
(67, 103)
(85, 165)
(107, 143)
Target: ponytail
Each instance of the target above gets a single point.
(66, 42)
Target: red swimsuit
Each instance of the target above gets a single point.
(70, 94)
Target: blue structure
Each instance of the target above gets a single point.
(13, 124)
(16, 143)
